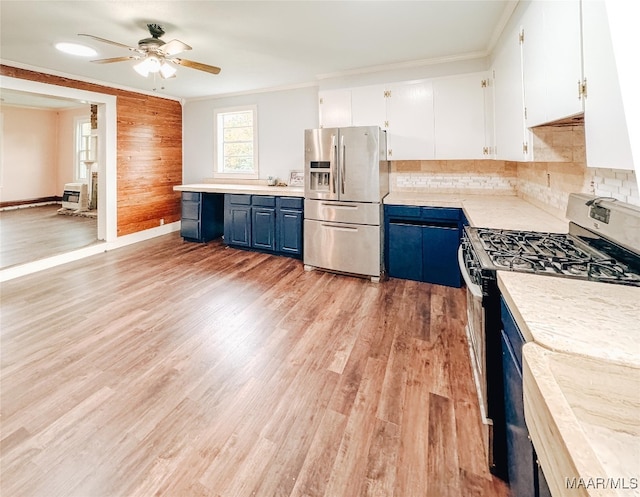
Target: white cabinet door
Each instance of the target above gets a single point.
(552, 62)
(369, 106)
(508, 96)
(606, 134)
(410, 118)
(563, 37)
(534, 64)
(459, 116)
(334, 108)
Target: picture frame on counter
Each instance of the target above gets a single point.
(296, 178)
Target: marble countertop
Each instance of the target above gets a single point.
(581, 369)
(597, 320)
(582, 416)
(250, 189)
(487, 211)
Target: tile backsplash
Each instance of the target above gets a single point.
(558, 170)
(455, 176)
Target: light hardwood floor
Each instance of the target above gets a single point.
(182, 369)
(32, 233)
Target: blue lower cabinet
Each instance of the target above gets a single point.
(263, 228)
(289, 223)
(405, 251)
(520, 460)
(421, 243)
(202, 216)
(440, 255)
(526, 478)
(264, 222)
(237, 226)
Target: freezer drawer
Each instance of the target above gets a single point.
(343, 247)
(342, 212)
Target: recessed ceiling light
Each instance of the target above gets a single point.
(76, 49)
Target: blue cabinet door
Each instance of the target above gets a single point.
(263, 230)
(405, 251)
(440, 255)
(520, 459)
(289, 232)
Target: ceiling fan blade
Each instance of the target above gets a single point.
(173, 47)
(103, 40)
(114, 59)
(196, 65)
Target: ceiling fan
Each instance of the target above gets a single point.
(155, 55)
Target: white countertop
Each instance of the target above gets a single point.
(597, 320)
(250, 189)
(487, 211)
(581, 369)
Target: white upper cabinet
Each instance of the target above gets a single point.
(552, 61)
(461, 130)
(369, 106)
(511, 141)
(334, 108)
(410, 133)
(607, 136)
(404, 110)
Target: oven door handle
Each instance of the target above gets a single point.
(476, 290)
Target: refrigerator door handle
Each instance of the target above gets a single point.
(343, 172)
(333, 163)
(338, 206)
(337, 227)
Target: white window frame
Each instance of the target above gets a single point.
(218, 161)
(80, 172)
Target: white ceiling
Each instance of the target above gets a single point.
(258, 44)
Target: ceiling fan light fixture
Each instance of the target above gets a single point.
(149, 65)
(167, 70)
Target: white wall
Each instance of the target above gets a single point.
(29, 153)
(282, 118)
(38, 151)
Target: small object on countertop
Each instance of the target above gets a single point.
(271, 181)
(281, 183)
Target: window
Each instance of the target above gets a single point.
(86, 147)
(236, 144)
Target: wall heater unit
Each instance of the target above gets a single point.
(75, 196)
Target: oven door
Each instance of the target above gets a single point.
(475, 330)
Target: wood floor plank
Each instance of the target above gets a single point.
(28, 234)
(181, 369)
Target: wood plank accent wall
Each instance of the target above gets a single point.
(149, 155)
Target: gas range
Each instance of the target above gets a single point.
(603, 244)
(554, 254)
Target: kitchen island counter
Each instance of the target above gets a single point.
(487, 211)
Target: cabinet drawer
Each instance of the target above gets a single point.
(440, 213)
(190, 228)
(191, 196)
(190, 210)
(290, 203)
(263, 200)
(235, 198)
(404, 211)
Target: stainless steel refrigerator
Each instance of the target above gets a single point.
(346, 178)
